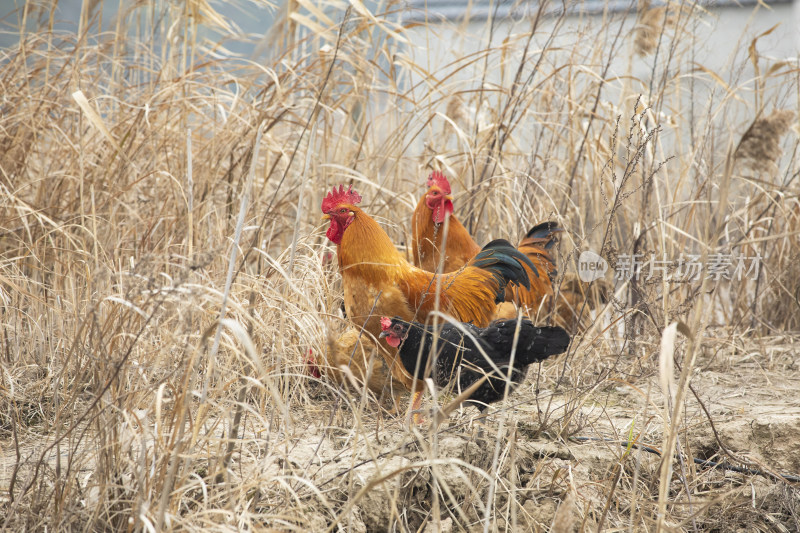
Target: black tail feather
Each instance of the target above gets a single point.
(545, 230)
(503, 260)
(539, 343)
(535, 343)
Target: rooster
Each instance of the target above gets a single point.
(427, 234)
(354, 358)
(377, 279)
(465, 353)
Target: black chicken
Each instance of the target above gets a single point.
(459, 353)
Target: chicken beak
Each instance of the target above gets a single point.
(326, 216)
(383, 334)
(448, 197)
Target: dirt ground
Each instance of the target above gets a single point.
(588, 469)
(750, 396)
(536, 455)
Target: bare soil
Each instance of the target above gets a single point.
(537, 447)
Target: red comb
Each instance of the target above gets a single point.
(341, 196)
(386, 323)
(440, 180)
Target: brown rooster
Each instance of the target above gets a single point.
(427, 232)
(377, 280)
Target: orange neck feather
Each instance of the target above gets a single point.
(366, 249)
(459, 233)
(422, 224)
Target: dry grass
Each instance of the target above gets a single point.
(165, 273)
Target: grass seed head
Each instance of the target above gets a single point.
(760, 146)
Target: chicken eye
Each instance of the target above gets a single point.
(435, 193)
(343, 210)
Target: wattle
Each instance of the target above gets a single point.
(442, 211)
(392, 341)
(335, 232)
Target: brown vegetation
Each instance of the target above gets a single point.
(162, 276)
